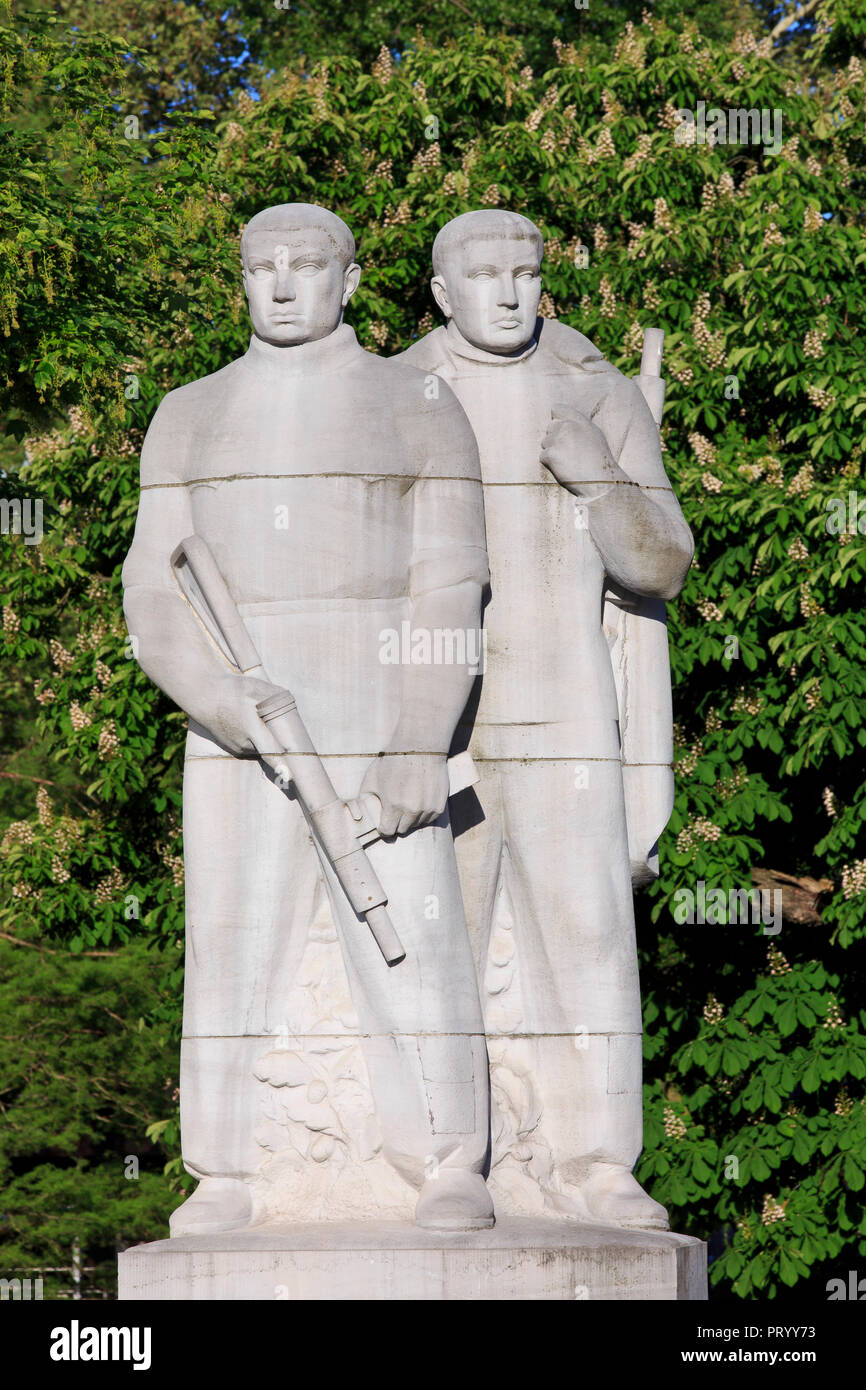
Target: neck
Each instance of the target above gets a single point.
(464, 348)
(295, 359)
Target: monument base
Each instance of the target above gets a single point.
(519, 1258)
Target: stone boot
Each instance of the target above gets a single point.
(614, 1197)
(218, 1204)
(456, 1199)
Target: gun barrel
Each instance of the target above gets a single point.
(388, 941)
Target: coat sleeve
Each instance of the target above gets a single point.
(638, 524)
(449, 545)
(170, 642)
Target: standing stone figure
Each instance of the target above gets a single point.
(340, 500)
(580, 519)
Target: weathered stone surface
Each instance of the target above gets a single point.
(516, 1260)
(572, 728)
(312, 498)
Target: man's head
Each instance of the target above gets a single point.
(487, 277)
(299, 272)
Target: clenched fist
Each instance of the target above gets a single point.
(412, 789)
(577, 453)
(231, 714)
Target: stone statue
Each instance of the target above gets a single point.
(339, 499)
(570, 725)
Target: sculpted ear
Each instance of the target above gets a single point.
(440, 294)
(351, 281)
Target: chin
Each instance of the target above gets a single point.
(285, 335)
(511, 341)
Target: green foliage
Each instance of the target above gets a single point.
(82, 274)
(195, 51)
(278, 34)
(120, 261)
(88, 1062)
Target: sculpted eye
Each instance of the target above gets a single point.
(308, 268)
(481, 275)
(260, 271)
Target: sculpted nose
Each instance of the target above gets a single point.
(284, 288)
(507, 292)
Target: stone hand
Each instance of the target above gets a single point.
(233, 718)
(411, 787)
(577, 453)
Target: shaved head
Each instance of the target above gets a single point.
(487, 278)
(288, 218)
(299, 272)
(489, 224)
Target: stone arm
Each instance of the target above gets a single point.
(448, 572)
(410, 776)
(434, 696)
(169, 641)
(612, 464)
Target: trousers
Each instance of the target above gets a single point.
(253, 872)
(552, 836)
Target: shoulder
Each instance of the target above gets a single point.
(609, 385)
(430, 418)
(416, 398)
(569, 346)
(176, 421)
(187, 400)
(396, 375)
(427, 354)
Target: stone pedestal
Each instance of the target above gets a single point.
(519, 1259)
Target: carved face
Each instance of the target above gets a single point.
(491, 289)
(296, 284)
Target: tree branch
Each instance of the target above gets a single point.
(47, 782)
(469, 12)
(800, 13)
(28, 777)
(35, 946)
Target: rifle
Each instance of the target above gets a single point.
(344, 828)
(651, 382)
(637, 635)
